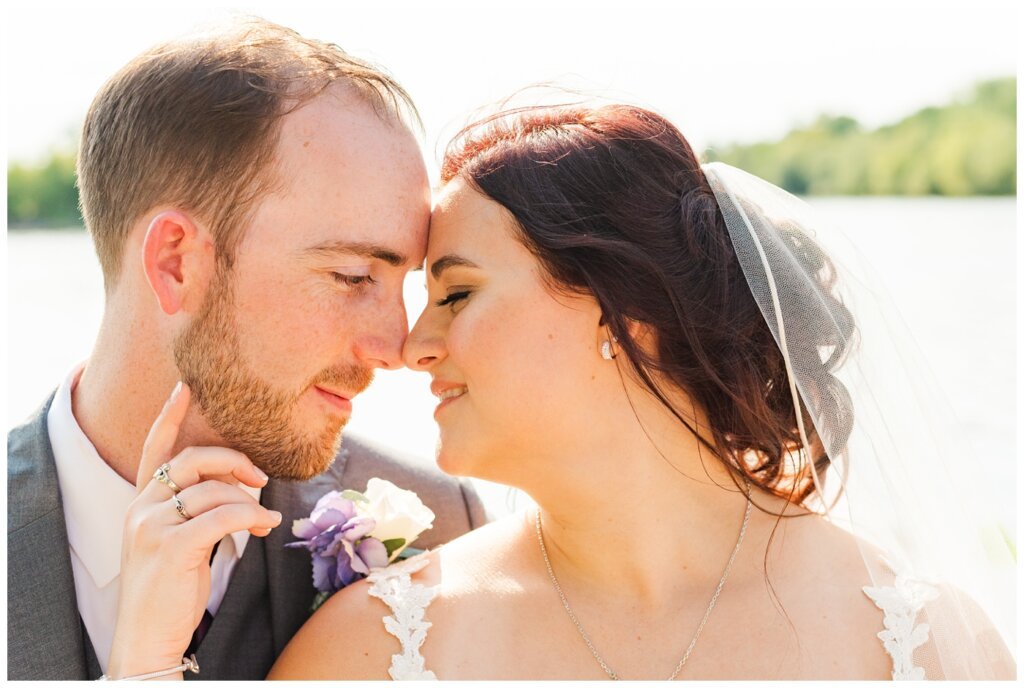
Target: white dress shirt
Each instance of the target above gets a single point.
(95, 500)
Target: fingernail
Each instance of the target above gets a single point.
(276, 515)
(177, 391)
(260, 474)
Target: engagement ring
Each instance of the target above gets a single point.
(162, 474)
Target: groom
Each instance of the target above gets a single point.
(256, 199)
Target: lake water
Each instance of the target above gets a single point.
(949, 264)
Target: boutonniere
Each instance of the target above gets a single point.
(349, 533)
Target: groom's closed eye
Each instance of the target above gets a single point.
(353, 281)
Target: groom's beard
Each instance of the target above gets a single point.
(249, 414)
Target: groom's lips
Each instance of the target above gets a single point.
(341, 403)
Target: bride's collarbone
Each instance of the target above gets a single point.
(743, 639)
(804, 619)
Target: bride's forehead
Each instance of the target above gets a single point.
(461, 211)
(454, 196)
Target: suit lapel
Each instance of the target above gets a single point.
(270, 593)
(44, 631)
(238, 644)
(289, 571)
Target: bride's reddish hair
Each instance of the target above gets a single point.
(613, 203)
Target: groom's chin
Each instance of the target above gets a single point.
(303, 461)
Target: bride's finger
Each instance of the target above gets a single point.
(210, 527)
(163, 434)
(196, 464)
(208, 495)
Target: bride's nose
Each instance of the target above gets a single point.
(424, 346)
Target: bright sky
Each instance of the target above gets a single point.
(721, 71)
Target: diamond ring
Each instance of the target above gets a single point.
(163, 475)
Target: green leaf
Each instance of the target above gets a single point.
(354, 496)
(394, 545)
(320, 598)
(410, 552)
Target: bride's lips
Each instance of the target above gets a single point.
(447, 392)
(339, 402)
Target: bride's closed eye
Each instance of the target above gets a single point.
(452, 298)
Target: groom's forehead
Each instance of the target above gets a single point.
(349, 181)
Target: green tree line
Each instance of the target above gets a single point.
(43, 194)
(965, 148)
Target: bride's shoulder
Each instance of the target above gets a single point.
(887, 607)
(346, 637)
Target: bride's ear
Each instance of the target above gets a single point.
(178, 259)
(608, 346)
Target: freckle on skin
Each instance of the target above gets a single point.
(305, 144)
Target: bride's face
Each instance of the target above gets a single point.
(514, 364)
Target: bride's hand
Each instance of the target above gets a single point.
(165, 557)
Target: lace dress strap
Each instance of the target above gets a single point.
(408, 602)
(901, 602)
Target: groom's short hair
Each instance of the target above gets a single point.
(194, 123)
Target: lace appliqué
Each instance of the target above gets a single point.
(408, 602)
(901, 602)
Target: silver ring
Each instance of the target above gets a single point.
(180, 506)
(162, 475)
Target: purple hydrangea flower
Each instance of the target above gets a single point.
(338, 539)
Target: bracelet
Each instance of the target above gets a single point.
(187, 664)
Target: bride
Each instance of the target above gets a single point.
(622, 334)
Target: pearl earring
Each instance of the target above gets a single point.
(606, 349)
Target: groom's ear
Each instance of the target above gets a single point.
(178, 258)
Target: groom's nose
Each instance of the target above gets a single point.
(380, 346)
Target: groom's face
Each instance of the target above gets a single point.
(313, 302)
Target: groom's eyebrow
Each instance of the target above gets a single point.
(450, 261)
(357, 248)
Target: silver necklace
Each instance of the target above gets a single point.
(714, 598)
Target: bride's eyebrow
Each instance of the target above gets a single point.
(450, 261)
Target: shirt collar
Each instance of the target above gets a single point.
(94, 496)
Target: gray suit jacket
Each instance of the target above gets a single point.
(271, 588)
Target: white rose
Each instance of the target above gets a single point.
(399, 513)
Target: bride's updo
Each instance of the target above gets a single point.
(613, 203)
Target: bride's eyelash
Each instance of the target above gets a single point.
(451, 298)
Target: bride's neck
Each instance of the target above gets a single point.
(649, 508)
(646, 539)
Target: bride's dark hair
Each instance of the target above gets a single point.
(613, 203)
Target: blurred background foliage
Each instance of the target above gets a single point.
(43, 194)
(965, 148)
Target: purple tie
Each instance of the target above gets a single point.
(204, 623)
(201, 629)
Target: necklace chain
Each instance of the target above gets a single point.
(579, 627)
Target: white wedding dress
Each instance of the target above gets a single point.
(408, 601)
